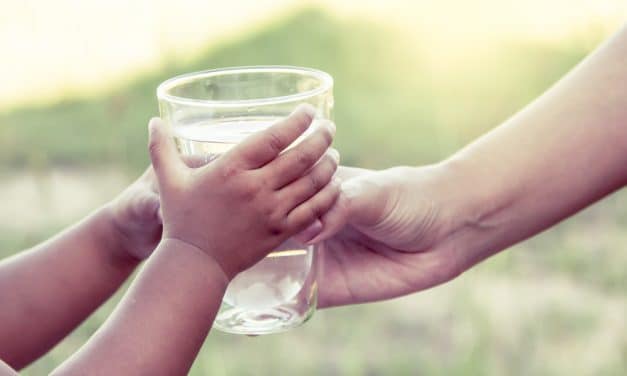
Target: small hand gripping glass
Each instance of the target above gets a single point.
(209, 113)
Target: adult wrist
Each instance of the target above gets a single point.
(477, 196)
(478, 205)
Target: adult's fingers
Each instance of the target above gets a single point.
(165, 159)
(262, 147)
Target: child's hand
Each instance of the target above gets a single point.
(135, 217)
(240, 206)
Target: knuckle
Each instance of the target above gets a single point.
(268, 211)
(326, 136)
(316, 181)
(318, 210)
(303, 158)
(312, 213)
(307, 215)
(248, 192)
(331, 165)
(229, 171)
(302, 119)
(263, 181)
(274, 141)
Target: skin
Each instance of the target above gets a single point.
(406, 229)
(176, 295)
(393, 232)
(60, 282)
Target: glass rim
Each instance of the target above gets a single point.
(326, 83)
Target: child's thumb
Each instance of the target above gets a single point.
(163, 154)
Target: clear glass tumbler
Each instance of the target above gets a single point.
(211, 111)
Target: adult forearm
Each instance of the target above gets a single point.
(160, 325)
(561, 153)
(48, 290)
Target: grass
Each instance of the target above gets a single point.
(400, 104)
(554, 305)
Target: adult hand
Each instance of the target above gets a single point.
(394, 236)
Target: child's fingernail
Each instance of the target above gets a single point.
(154, 122)
(307, 109)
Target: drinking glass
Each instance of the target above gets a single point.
(211, 111)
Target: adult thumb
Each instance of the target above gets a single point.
(361, 203)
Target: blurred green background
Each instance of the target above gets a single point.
(413, 83)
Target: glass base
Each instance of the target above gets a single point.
(259, 322)
(275, 295)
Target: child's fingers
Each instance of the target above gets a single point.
(313, 181)
(147, 206)
(310, 232)
(338, 216)
(165, 159)
(195, 160)
(309, 211)
(149, 179)
(292, 164)
(263, 147)
(332, 222)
